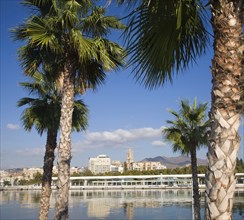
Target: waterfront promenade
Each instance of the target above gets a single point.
(177, 181)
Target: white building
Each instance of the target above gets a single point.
(150, 165)
(99, 164)
(29, 173)
(117, 166)
(72, 170)
(143, 165)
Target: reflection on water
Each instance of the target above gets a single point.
(105, 204)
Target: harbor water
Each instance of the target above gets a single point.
(112, 204)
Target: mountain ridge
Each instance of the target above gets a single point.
(175, 162)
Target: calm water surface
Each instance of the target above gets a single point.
(121, 205)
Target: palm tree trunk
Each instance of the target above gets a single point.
(47, 174)
(196, 197)
(224, 141)
(64, 149)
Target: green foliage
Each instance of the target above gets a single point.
(182, 170)
(6, 183)
(239, 166)
(36, 180)
(110, 174)
(87, 172)
(75, 174)
(202, 169)
(23, 182)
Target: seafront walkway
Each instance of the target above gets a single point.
(161, 181)
(141, 181)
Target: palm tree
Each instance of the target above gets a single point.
(224, 141)
(73, 34)
(187, 133)
(177, 35)
(43, 113)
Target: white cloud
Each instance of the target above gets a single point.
(32, 151)
(121, 135)
(115, 138)
(158, 143)
(13, 126)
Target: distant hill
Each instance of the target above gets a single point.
(173, 162)
(14, 170)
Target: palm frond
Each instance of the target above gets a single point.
(41, 33)
(80, 116)
(99, 25)
(88, 80)
(83, 46)
(30, 58)
(25, 101)
(163, 38)
(42, 7)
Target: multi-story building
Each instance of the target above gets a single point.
(29, 173)
(150, 165)
(117, 166)
(100, 164)
(72, 170)
(143, 165)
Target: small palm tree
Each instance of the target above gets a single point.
(43, 113)
(187, 133)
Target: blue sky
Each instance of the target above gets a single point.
(123, 114)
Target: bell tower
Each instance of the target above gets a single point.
(130, 159)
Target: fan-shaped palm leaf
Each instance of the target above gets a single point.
(164, 37)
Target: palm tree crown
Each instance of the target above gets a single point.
(70, 34)
(189, 129)
(44, 111)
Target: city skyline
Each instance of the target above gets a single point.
(123, 114)
(179, 161)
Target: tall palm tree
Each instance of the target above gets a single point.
(72, 33)
(224, 141)
(187, 133)
(177, 35)
(43, 113)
